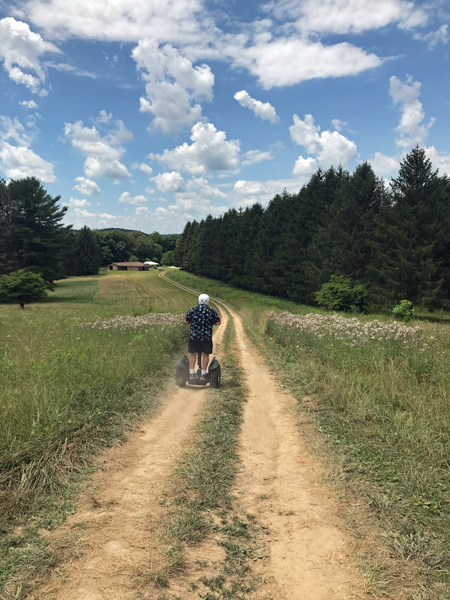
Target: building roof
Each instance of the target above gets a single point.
(128, 264)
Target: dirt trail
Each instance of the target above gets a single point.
(280, 484)
(121, 504)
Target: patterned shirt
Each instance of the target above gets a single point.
(201, 319)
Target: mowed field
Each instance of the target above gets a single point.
(125, 289)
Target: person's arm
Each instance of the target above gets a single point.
(186, 322)
(216, 323)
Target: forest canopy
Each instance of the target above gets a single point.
(393, 237)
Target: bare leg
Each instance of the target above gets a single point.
(205, 361)
(192, 359)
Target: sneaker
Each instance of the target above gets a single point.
(202, 377)
(192, 376)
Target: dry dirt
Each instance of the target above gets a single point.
(278, 482)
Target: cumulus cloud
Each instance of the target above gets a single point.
(347, 16)
(210, 152)
(305, 166)
(173, 86)
(17, 160)
(330, 147)
(123, 21)
(126, 198)
(20, 49)
(103, 153)
(411, 128)
(255, 156)
(28, 104)
(264, 110)
(143, 167)
(86, 186)
(383, 165)
(291, 60)
(74, 202)
(169, 182)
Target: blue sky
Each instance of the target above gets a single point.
(144, 114)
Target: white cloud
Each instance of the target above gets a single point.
(126, 198)
(74, 202)
(86, 186)
(28, 104)
(264, 110)
(142, 210)
(384, 166)
(255, 156)
(103, 153)
(20, 50)
(305, 166)
(290, 60)
(143, 167)
(204, 189)
(249, 187)
(348, 16)
(122, 21)
(338, 125)
(103, 117)
(433, 38)
(439, 160)
(18, 161)
(169, 182)
(64, 67)
(412, 130)
(83, 213)
(209, 152)
(330, 147)
(173, 86)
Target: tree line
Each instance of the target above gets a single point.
(33, 237)
(393, 238)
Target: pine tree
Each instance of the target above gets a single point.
(411, 234)
(40, 236)
(87, 253)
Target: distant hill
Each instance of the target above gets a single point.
(131, 230)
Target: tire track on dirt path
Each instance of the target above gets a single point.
(119, 508)
(279, 483)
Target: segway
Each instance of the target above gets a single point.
(212, 376)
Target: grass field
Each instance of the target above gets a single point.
(66, 390)
(381, 401)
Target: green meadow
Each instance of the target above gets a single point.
(66, 387)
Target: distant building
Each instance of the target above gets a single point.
(150, 263)
(128, 266)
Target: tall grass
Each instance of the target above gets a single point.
(62, 388)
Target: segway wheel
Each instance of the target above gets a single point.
(180, 377)
(215, 378)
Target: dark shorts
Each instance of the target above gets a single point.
(205, 346)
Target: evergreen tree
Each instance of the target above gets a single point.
(87, 254)
(8, 231)
(411, 234)
(40, 237)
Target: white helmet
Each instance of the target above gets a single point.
(203, 299)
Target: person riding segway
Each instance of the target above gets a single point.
(201, 319)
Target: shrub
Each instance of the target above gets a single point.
(23, 287)
(341, 293)
(403, 311)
